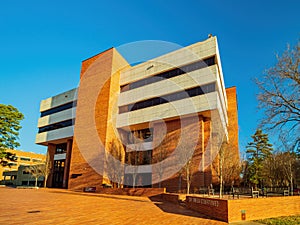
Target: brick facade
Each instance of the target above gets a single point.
(245, 209)
(99, 123)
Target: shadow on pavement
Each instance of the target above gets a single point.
(174, 208)
(121, 197)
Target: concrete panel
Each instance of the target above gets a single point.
(57, 117)
(139, 147)
(65, 132)
(171, 60)
(169, 110)
(58, 100)
(167, 86)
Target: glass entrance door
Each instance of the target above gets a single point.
(58, 173)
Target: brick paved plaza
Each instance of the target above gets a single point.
(53, 206)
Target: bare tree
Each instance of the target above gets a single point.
(280, 169)
(47, 169)
(288, 166)
(134, 156)
(186, 170)
(271, 171)
(115, 169)
(228, 167)
(279, 94)
(289, 163)
(185, 153)
(221, 164)
(231, 167)
(161, 153)
(37, 171)
(227, 164)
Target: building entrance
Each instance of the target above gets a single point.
(58, 173)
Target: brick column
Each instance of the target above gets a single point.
(67, 163)
(51, 152)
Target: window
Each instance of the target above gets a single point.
(123, 109)
(147, 156)
(145, 135)
(25, 158)
(169, 74)
(36, 160)
(200, 90)
(12, 164)
(138, 157)
(55, 126)
(61, 148)
(59, 108)
(24, 164)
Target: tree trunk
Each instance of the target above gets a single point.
(292, 188)
(221, 186)
(188, 181)
(36, 179)
(133, 180)
(45, 181)
(221, 173)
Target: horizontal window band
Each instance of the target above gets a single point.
(60, 108)
(170, 73)
(56, 126)
(200, 90)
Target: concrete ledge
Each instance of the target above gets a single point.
(26, 187)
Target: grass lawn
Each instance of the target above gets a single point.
(286, 220)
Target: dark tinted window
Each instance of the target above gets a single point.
(61, 148)
(55, 126)
(59, 108)
(170, 97)
(169, 74)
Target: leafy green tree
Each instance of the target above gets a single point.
(257, 150)
(10, 119)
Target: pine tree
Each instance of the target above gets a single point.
(10, 119)
(258, 150)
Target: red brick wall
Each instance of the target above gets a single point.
(174, 198)
(99, 79)
(88, 176)
(216, 208)
(262, 208)
(51, 152)
(231, 210)
(86, 63)
(232, 113)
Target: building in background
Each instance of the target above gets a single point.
(13, 173)
(141, 115)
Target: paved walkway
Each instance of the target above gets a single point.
(52, 206)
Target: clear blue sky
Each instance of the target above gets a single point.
(42, 44)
